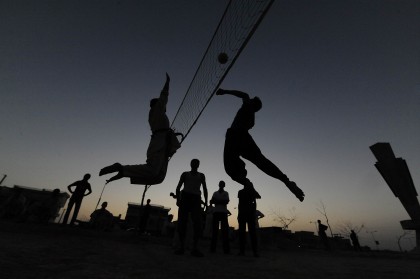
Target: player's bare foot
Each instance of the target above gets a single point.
(110, 169)
(296, 190)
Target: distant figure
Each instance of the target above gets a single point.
(15, 206)
(102, 219)
(239, 143)
(163, 145)
(258, 215)
(322, 233)
(220, 199)
(246, 215)
(355, 241)
(189, 202)
(144, 218)
(76, 197)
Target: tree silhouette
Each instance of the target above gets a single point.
(283, 220)
(323, 211)
(346, 227)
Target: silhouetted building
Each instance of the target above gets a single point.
(34, 195)
(158, 216)
(341, 243)
(276, 237)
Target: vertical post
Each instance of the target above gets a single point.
(61, 215)
(4, 177)
(146, 187)
(100, 197)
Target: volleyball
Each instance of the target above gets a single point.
(223, 58)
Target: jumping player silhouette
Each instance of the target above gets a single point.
(162, 146)
(239, 143)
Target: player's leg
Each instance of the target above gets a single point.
(110, 169)
(214, 231)
(196, 216)
(154, 168)
(182, 227)
(254, 155)
(67, 214)
(77, 205)
(234, 165)
(225, 232)
(252, 234)
(242, 234)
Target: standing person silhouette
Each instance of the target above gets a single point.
(144, 217)
(163, 144)
(323, 235)
(258, 215)
(189, 202)
(101, 218)
(220, 199)
(355, 241)
(76, 198)
(247, 208)
(239, 143)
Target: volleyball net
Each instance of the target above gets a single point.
(239, 21)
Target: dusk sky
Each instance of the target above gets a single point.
(335, 77)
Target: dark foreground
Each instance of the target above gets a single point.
(34, 251)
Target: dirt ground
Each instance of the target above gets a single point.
(52, 251)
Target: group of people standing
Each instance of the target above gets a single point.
(99, 219)
(189, 201)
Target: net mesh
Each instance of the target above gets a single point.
(240, 20)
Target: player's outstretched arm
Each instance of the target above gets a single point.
(235, 93)
(70, 187)
(165, 91)
(178, 188)
(295, 190)
(205, 192)
(89, 191)
(165, 88)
